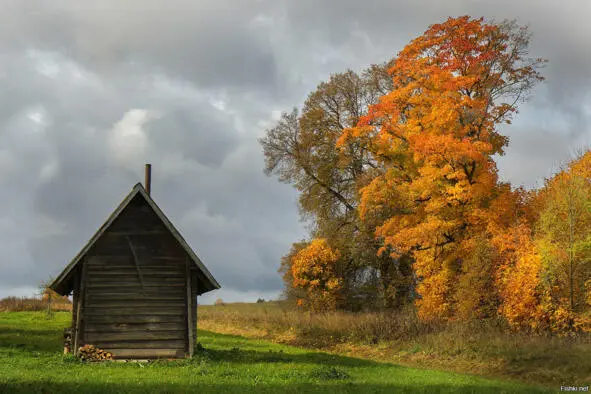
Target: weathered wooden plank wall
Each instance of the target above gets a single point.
(136, 303)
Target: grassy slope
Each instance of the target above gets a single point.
(30, 361)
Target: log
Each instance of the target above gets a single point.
(137, 233)
(93, 353)
(189, 309)
(110, 272)
(125, 353)
(134, 335)
(143, 310)
(150, 344)
(79, 309)
(118, 304)
(125, 297)
(124, 327)
(151, 284)
(137, 222)
(110, 261)
(151, 280)
(153, 291)
(132, 319)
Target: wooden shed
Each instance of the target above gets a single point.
(135, 284)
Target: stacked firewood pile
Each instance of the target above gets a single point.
(93, 353)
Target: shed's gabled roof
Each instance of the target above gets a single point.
(61, 283)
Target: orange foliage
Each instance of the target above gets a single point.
(435, 133)
(519, 279)
(313, 269)
(543, 278)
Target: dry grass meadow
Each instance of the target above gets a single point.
(483, 348)
(31, 304)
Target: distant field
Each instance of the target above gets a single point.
(31, 362)
(481, 348)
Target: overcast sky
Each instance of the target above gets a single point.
(88, 95)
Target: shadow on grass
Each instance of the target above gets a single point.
(27, 332)
(30, 339)
(271, 356)
(259, 387)
(260, 353)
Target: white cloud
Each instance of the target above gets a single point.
(49, 170)
(56, 66)
(128, 142)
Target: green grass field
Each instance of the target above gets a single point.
(31, 362)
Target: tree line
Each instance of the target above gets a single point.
(395, 172)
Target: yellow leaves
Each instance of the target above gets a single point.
(314, 269)
(562, 237)
(334, 283)
(434, 289)
(582, 166)
(545, 275)
(519, 281)
(435, 135)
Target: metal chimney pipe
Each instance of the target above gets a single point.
(148, 183)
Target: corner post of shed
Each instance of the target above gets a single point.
(80, 308)
(190, 327)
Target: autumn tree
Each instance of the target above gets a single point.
(435, 134)
(291, 293)
(564, 240)
(565, 225)
(301, 150)
(313, 269)
(519, 281)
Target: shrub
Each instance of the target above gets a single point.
(28, 304)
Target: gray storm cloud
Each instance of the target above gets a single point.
(91, 92)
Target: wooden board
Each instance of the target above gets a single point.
(142, 310)
(123, 353)
(133, 318)
(119, 261)
(134, 335)
(134, 219)
(149, 290)
(124, 327)
(144, 246)
(112, 273)
(157, 295)
(78, 333)
(152, 303)
(189, 309)
(149, 280)
(111, 286)
(150, 344)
